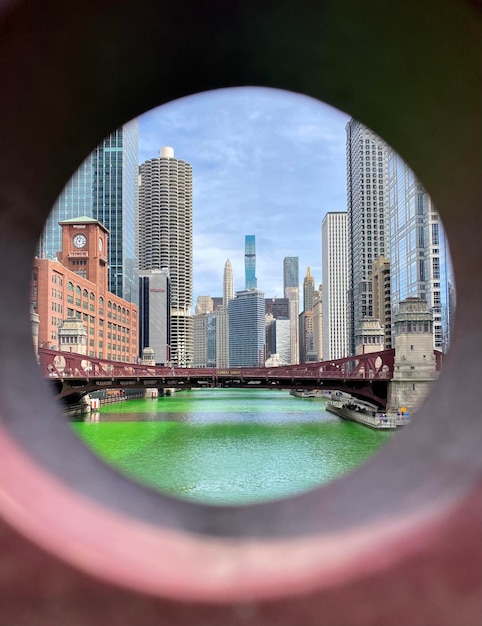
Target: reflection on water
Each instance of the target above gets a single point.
(228, 446)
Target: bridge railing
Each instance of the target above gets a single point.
(374, 366)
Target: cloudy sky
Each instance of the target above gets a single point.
(265, 162)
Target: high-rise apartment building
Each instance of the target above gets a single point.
(165, 240)
(104, 188)
(291, 288)
(247, 329)
(335, 284)
(420, 265)
(368, 232)
(381, 297)
(250, 262)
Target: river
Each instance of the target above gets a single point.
(228, 446)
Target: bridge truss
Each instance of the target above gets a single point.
(366, 376)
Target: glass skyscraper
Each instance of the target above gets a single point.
(291, 275)
(250, 262)
(420, 263)
(247, 329)
(105, 188)
(291, 289)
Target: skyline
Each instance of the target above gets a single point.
(266, 156)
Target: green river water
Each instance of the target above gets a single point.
(228, 446)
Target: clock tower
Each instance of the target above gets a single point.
(84, 249)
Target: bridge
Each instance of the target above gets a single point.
(366, 376)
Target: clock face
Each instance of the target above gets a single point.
(101, 244)
(80, 241)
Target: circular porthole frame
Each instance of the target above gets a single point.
(409, 71)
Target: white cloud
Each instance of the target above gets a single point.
(265, 162)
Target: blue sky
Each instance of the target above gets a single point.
(265, 162)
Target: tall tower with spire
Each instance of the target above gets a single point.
(222, 320)
(228, 284)
(308, 291)
(307, 350)
(250, 262)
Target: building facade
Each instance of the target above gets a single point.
(222, 321)
(367, 214)
(279, 308)
(318, 323)
(75, 289)
(154, 318)
(381, 297)
(291, 289)
(250, 262)
(306, 319)
(420, 265)
(335, 285)
(204, 304)
(247, 329)
(278, 339)
(104, 188)
(369, 336)
(291, 274)
(165, 241)
(228, 283)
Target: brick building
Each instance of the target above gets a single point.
(76, 287)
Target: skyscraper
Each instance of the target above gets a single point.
(381, 297)
(335, 282)
(250, 262)
(306, 318)
(366, 163)
(291, 276)
(165, 240)
(204, 343)
(318, 323)
(420, 264)
(154, 318)
(228, 283)
(222, 322)
(308, 290)
(291, 286)
(247, 329)
(104, 188)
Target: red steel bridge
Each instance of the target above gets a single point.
(365, 376)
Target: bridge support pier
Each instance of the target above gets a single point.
(415, 368)
(153, 392)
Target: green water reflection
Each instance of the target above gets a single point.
(228, 446)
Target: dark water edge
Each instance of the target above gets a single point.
(228, 446)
